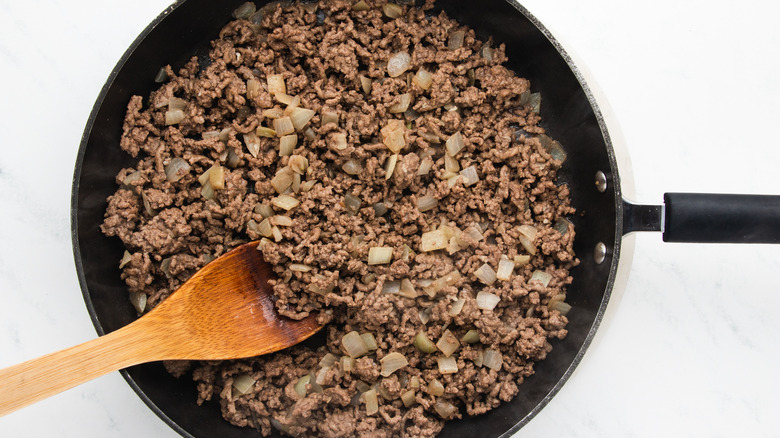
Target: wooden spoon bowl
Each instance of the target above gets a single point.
(224, 311)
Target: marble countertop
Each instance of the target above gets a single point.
(694, 89)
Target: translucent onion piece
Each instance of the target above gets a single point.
(521, 260)
(471, 337)
(365, 84)
(487, 300)
(264, 209)
(175, 103)
(398, 64)
(298, 164)
(243, 383)
(360, 6)
(276, 84)
(300, 117)
(296, 185)
(392, 363)
(493, 359)
(426, 164)
(207, 191)
(423, 79)
(319, 378)
(560, 306)
(297, 267)
(265, 228)
(244, 10)
(392, 160)
(380, 209)
(369, 340)
(457, 307)
(217, 177)
(300, 385)
(347, 364)
(273, 113)
(232, 158)
(455, 41)
(427, 203)
(433, 240)
(455, 144)
(352, 204)
(535, 101)
(469, 176)
(414, 382)
(505, 268)
(435, 388)
(371, 401)
(553, 148)
(445, 409)
(403, 104)
(352, 167)
(277, 234)
(329, 117)
(253, 88)
(447, 364)
(252, 142)
(480, 357)
(283, 126)
(161, 76)
(176, 169)
(424, 344)
(486, 274)
(561, 225)
(408, 398)
(391, 287)
(286, 99)
(425, 316)
(393, 135)
(173, 117)
(487, 53)
(287, 144)
(285, 202)
(262, 131)
(392, 10)
(308, 185)
(353, 344)
(448, 343)
(340, 141)
(474, 233)
(407, 289)
(126, 257)
(527, 237)
(282, 180)
(380, 255)
(541, 276)
(138, 300)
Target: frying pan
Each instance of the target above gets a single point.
(571, 115)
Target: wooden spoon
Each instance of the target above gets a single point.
(225, 311)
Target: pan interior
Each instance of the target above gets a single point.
(569, 114)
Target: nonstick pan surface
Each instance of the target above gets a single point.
(714, 269)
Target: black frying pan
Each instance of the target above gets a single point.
(571, 116)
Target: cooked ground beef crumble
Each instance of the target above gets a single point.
(416, 205)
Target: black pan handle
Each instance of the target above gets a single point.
(708, 218)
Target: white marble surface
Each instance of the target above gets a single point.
(694, 87)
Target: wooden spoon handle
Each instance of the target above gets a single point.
(37, 379)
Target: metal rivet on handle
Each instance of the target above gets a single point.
(601, 181)
(600, 253)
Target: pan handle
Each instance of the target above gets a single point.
(708, 218)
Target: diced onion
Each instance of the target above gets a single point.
(300, 385)
(369, 341)
(403, 104)
(391, 287)
(527, 237)
(340, 141)
(470, 176)
(407, 289)
(173, 117)
(505, 268)
(380, 255)
(435, 388)
(138, 300)
(176, 169)
(445, 409)
(126, 258)
(392, 10)
(447, 364)
(321, 375)
(433, 240)
(365, 84)
(424, 344)
(352, 167)
(426, 164)
(360, 6)
(298, 164)
(471, 337)
(457, 307)
(455, 144)
(425, 316)
(285, 202)
(393, 135)
(276, 84)
(207, 191)
(283, 126)
(542, 277)
(264, 209)
(392, 160)
(562, 226)
(474, 233)
(426, 203)
(287, 144)
(380, 209)
(297, 267)
(262, 131)
(329, 117)
(371, 401)
(273, 113)
(455, 41)
(448, 343)
(252, 88)
(217, 177)
(487, 300)
(493, 359)
(486, 274)
(243, 383)
(300, 117)
(347, 364)
(277, 234)
(244, 10)
(290, 101)
(392, 363)
(423, 79)
(265, 228)
(175, 103)
(353, 344)
(521, 260)
(398, 64)
(557, 303)
(408, 398)
(252, 142)
(352, 204)
(282, 180)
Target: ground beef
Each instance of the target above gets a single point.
(210, 176)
